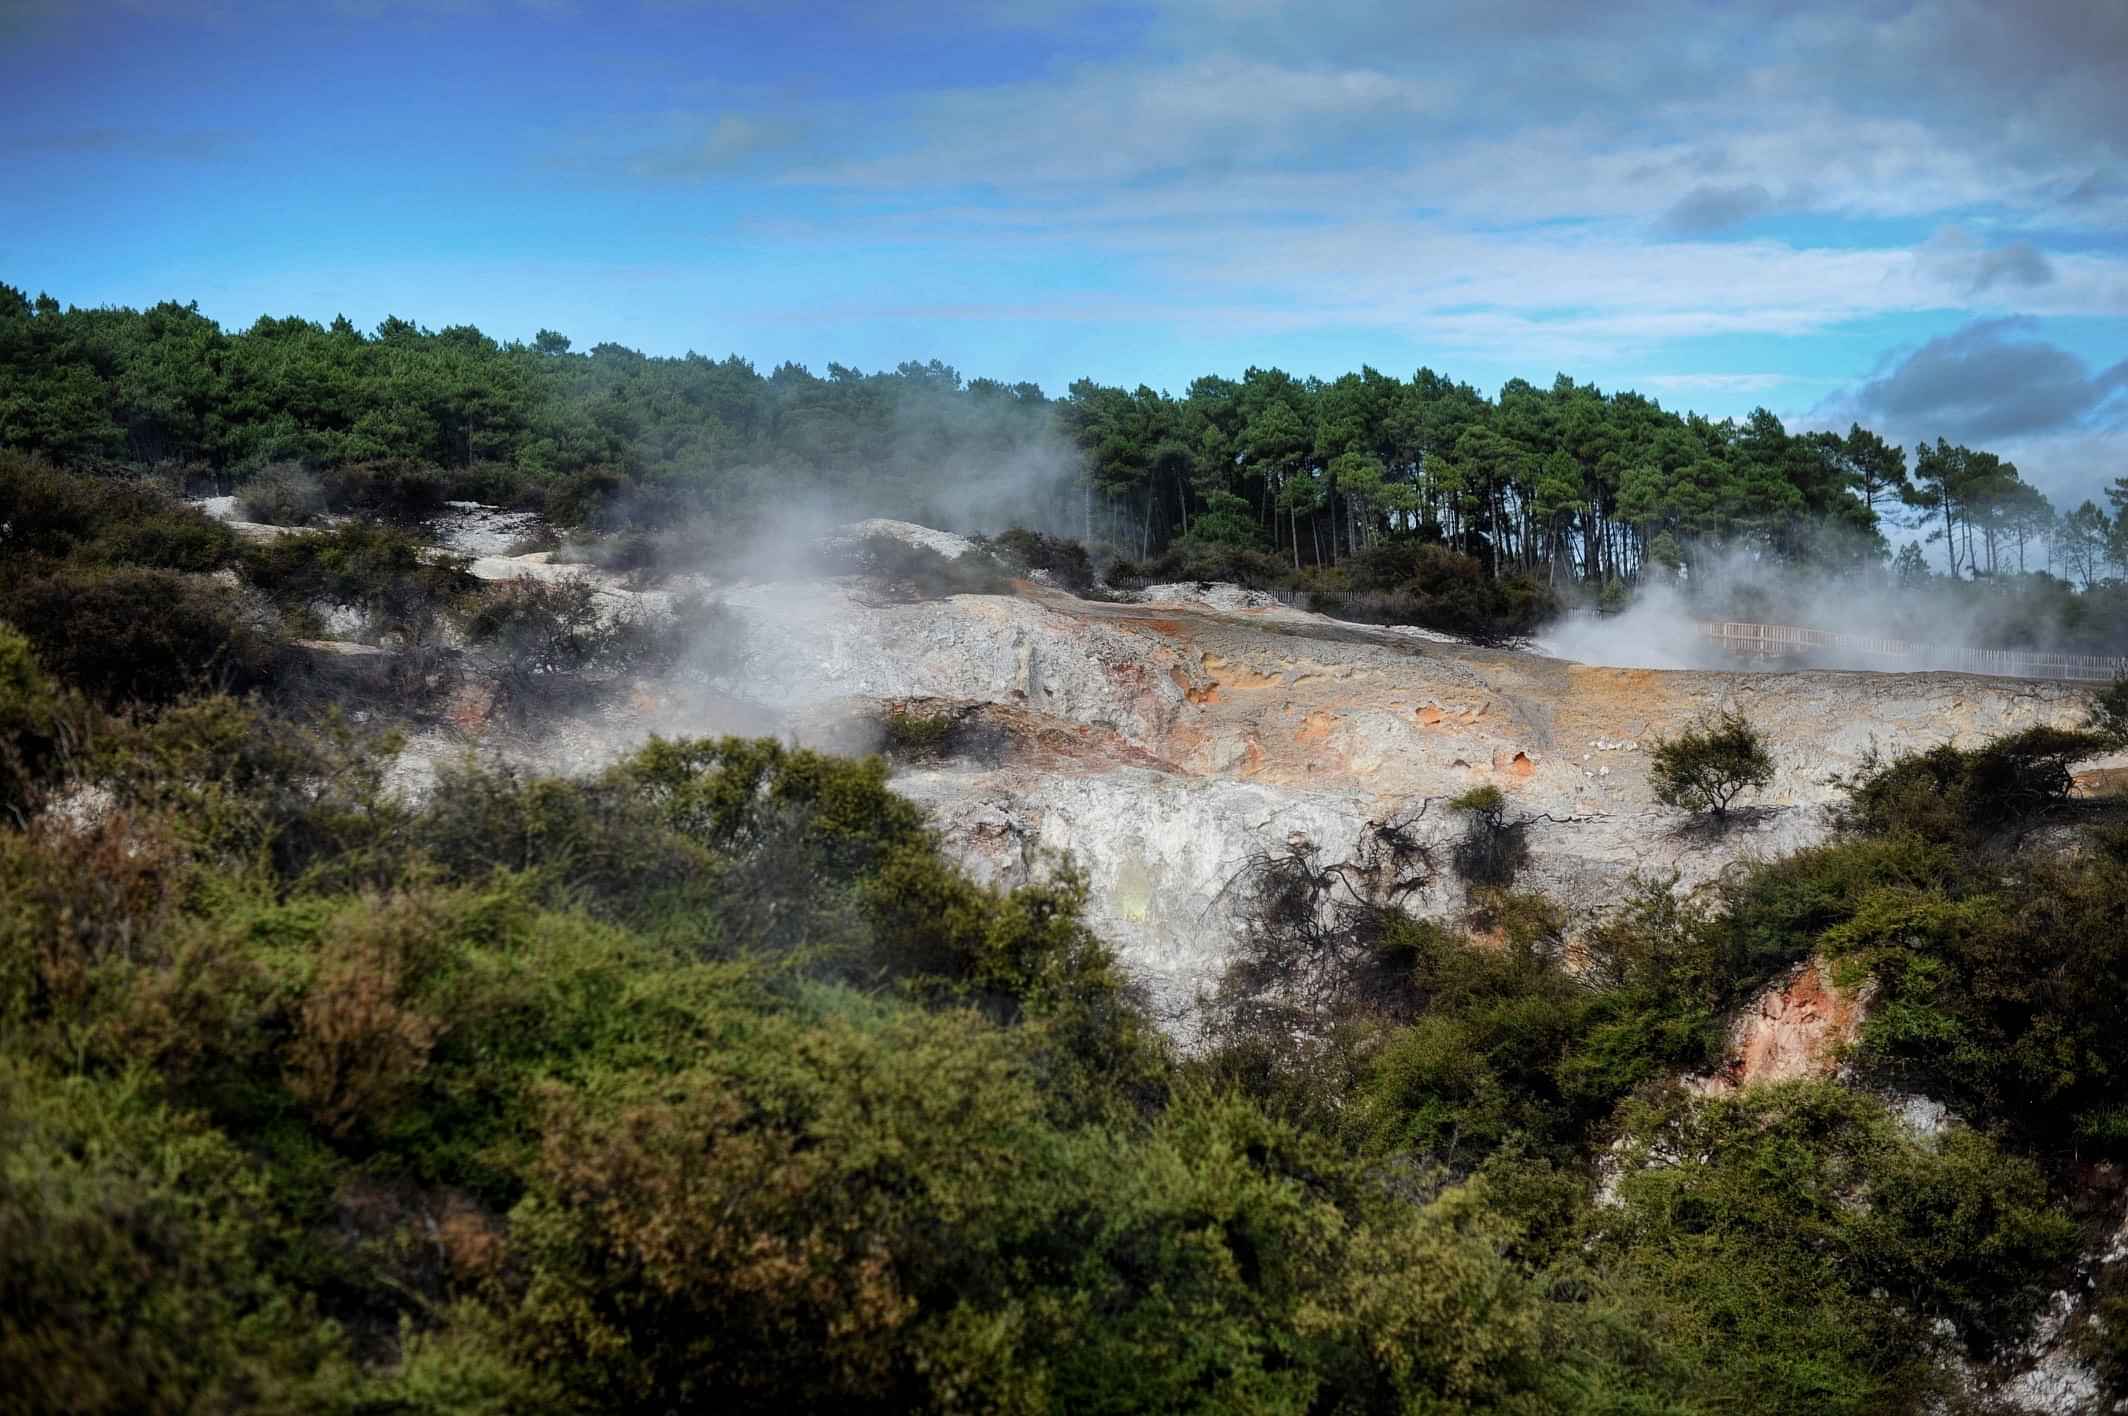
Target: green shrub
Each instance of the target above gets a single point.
(495, 482)
(2109, 713)
(1763, 1234)
(721, 793)
(1480, 1062)
(1705, 767)
(1407, 1040)
(137, 1254)
(1066, 561)
(86, 957)
(593, 498)
(2001, 995)
(600, 844)
(243, 785)
(811, 867)
(872, 1212)
(909, 571)
(415, 1029)
(387, 573)
(39, 729)
(702, 1187)
(48, 515)
(1951, 794)
(1772, 915)
(1396, 561)
(411, 489)
(1428, 584)
(399, 487)
(1200, 560)
(915, 736)
(1227, 520)
(124, 635)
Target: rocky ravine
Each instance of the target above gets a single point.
(1164, 744)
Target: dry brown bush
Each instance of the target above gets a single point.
(360, 1045)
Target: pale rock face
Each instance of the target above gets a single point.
(614, 599)
(341, 621)
(260, 531)
(792, 645)
(947, 544)
(537, 565)
(1159, 850)
(2053, 1380)
(1210, 594)
(473, 529)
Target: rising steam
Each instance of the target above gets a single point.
(1936, 621)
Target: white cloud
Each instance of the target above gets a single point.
(1104, 125)
(1999, 384)
(1714, 383)
(1592, 291)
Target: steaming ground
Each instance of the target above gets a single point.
(1165, 744)
(1935, 625)
(1660, 631)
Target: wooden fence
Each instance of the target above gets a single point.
(1780, 640)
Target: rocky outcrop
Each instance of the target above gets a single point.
(790, 646)
(1209, 594)
(1797, 1029)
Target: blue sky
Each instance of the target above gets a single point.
(1914, 214)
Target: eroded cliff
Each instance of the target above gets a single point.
(1164, 744)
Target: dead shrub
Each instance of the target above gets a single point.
(360, 1045)
(1493, 848)
(99, 964)
(74, 899)
(283, 495)
(473, 1243)
(530, 636)
(1319, 961)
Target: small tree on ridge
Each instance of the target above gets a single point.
(1710, 763)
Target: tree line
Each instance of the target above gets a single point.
(1566, 484)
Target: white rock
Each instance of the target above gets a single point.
(1218, 594)
(947, 544)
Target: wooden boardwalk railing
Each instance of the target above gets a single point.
(1775, 640)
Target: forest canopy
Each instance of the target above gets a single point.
(1564, 484)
